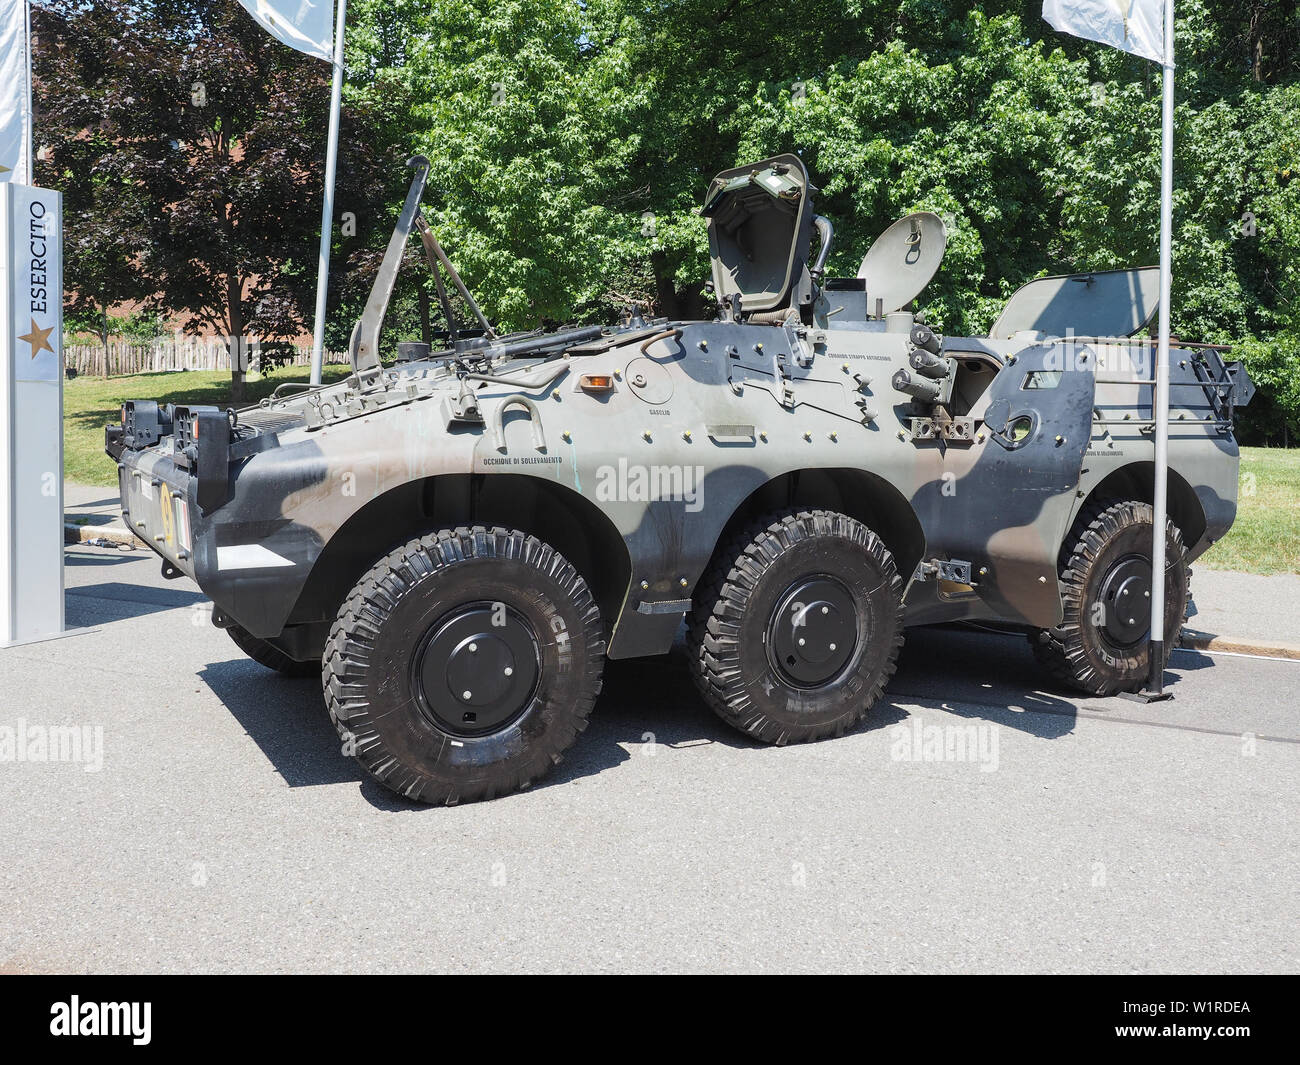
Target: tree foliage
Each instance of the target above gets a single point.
(188, 143)
(571, 141)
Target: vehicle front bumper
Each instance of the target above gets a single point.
(245, 556)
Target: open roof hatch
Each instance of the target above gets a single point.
(902, 261)
(760, 229)
(1107, 303)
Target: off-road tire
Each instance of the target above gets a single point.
(736, 608)
(1077, 652)
(381, 707)
(269, 655)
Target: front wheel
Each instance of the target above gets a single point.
(464, 664)
(797, 627)
(1101, 645)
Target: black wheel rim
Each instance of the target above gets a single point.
(1125, 594)
(813, 632)
(476, 669)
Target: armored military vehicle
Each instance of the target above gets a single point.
(459, 539)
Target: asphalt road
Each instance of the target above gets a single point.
(981, 821)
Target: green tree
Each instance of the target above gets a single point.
(571, 142)
(191, 142)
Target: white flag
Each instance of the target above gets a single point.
(307, 25)
(1135, 26)
(15, 115)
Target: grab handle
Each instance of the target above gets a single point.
(534, 419)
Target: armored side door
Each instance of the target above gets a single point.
(1002, 501)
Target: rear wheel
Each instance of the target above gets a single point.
(797, 627)
(464, 664)
(269, 655)
(1101, 646)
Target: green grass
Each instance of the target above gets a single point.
(90, 403)
(1265, 539)
(1266, 536)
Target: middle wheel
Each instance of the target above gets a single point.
(797, 627)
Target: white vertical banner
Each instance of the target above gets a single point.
(15, 93)
(31, 413)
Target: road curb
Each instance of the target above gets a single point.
(80, 534)
(1194, 640)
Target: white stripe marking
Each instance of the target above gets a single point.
(249, 556)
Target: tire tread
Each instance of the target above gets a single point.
(352, 635)
(1060, 650)
(721, 598)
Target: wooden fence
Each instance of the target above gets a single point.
(175, 353)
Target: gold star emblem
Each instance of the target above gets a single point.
(4, 169)
(39, 339)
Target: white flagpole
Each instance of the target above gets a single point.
(30, 176)
(327, 210)
(1155, 683)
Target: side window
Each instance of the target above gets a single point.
(1038, 379)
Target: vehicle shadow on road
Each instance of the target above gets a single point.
(1187, 660)
(652, 700)
(642, 701)
(101, 557)
(983, 676)
(995, 677)
(287, 719)
(109, 601)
